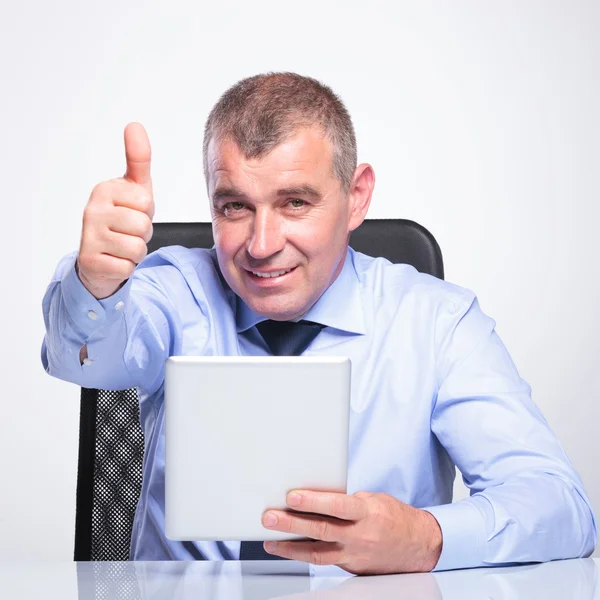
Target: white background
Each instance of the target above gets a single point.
(481, 120)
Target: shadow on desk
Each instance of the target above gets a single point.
(233, 580)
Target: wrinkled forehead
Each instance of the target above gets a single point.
(305, 154)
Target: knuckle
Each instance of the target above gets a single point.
(316, 558)
(324, 530)
(103, 191)
(148, 229)
(286, 550)
(144, 200)
(94, 267)
(376, 511)
(98, 266)
(338, 504)
(363, 494)
(369, 540)
(91, 214)
(87, 262)
(139, 249)
(99, 190)
(143, 226)
(288, 525)
(120, 269)
(96, 217)
(125, 271)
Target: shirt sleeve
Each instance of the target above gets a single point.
(128, 335)
(527, 503)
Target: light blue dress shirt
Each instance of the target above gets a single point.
(433, 387)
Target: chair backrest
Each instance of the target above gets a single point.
(111, 442)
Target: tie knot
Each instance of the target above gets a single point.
(288, 338)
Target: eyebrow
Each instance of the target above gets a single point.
(227, 192)
(301, 190)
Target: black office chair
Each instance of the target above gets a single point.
(111, 443)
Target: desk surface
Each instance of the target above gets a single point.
(232, 580)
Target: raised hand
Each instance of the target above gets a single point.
(117, 221)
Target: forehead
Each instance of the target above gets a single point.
(306, 155)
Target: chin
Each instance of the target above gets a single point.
(275, 310)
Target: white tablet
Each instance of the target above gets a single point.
(241, 432)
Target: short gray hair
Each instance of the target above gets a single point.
(261, 112)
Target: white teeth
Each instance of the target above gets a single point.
(274, 274)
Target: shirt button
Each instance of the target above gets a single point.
(87, 361)
(119, 305)
(92, 315)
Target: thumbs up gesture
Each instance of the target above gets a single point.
(117, 221)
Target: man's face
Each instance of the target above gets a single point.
(280, 222)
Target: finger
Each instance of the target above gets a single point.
(311, 526)
(316, 553)
(106, 267)
(131, 222)
(129, 247)
(138, 154)
(136, 198)
(333, 504)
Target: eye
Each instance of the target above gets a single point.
(233, 209)
(296, 203)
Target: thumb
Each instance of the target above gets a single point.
(137, 154)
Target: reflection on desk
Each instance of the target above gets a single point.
(232, 580)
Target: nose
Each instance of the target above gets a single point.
(268, 236)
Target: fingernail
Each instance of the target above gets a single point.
(270, 520)
(270, 546)
(293, 499)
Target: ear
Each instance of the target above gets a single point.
(359, 195)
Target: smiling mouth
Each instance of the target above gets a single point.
(270, 274)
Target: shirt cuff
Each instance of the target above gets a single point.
(463, 535)
(86, 312)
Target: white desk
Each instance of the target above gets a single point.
(232, 580)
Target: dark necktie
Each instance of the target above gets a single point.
(284, 338)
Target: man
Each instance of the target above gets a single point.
(432, 384)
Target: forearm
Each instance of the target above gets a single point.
(431, 536)
(85, 338)
(528, 503)
(530, 518)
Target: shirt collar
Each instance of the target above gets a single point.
(340, 306)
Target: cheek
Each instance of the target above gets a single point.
(328, 249)
(228, 241)
(326, 239)
(324, 260)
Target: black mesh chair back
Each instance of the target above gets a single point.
(111, 442)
